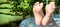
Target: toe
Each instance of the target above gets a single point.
(41, 5)
(52, 4)
(37, 3)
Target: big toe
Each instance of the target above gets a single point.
(52, 4)
(41, 5)
(37, 3)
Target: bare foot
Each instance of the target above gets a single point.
(50, 8)
(37, 10)
(49, 11)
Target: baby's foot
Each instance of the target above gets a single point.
(49, 11)
(50, 8)
(38, 13)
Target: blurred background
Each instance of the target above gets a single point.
(12, 12)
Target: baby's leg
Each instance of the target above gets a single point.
(38, 13)
(49, 11)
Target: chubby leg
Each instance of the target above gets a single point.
(49, 11)
(38, 13)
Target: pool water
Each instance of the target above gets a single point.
(57, 19)
(30, 22)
